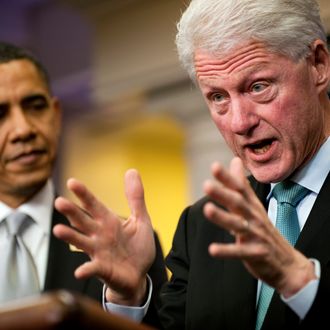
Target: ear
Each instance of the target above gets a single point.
(320, 62)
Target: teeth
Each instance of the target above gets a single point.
(262, 149)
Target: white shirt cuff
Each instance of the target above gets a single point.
(135, 313)
(302, 301)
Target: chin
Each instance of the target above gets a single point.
(268, 174)
(31, 183)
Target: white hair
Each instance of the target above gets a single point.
(287, 27)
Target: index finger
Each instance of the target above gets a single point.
(234, 178)
(87, 199)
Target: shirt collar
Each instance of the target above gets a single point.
(39, 207)
(308, 177)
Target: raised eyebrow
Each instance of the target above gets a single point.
(253, 77)
(256, 68)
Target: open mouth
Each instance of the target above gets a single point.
(261, 147)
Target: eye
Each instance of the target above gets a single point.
(38, 105)
(35, 103)
(258, 87)
(218, 102)
(263, 91)
(3, 110)
(217, 97)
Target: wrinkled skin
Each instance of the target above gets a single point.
(270, 110)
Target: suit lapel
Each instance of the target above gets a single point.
(62, 262)
(240, 287)
(317, 225)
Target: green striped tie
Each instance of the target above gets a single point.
(288, 194)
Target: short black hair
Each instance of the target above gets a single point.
(10, 52)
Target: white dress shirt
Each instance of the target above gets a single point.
(37, 236)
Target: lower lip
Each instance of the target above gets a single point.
(264, 156)
(29, 159)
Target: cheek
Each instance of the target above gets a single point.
(51, 128)
(53, 143)
(3, 143)
(50, 137)
(285, 114)
(298, 102)
(295, 117)
(223, 126)
(220, 123)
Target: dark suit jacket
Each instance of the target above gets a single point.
(208, 293)
(62, 263)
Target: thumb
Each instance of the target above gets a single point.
(135, 194)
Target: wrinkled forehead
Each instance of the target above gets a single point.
(249, 57)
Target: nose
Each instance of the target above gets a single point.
(243, 116)
(21, 127)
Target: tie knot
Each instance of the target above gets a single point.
(289, 192)
(16, 222)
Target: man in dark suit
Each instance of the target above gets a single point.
(254, 253)
(30, 123)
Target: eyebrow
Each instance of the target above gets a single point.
(34, 97)
(26, 99)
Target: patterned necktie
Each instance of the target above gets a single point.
(18, 274)
(288, 194)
